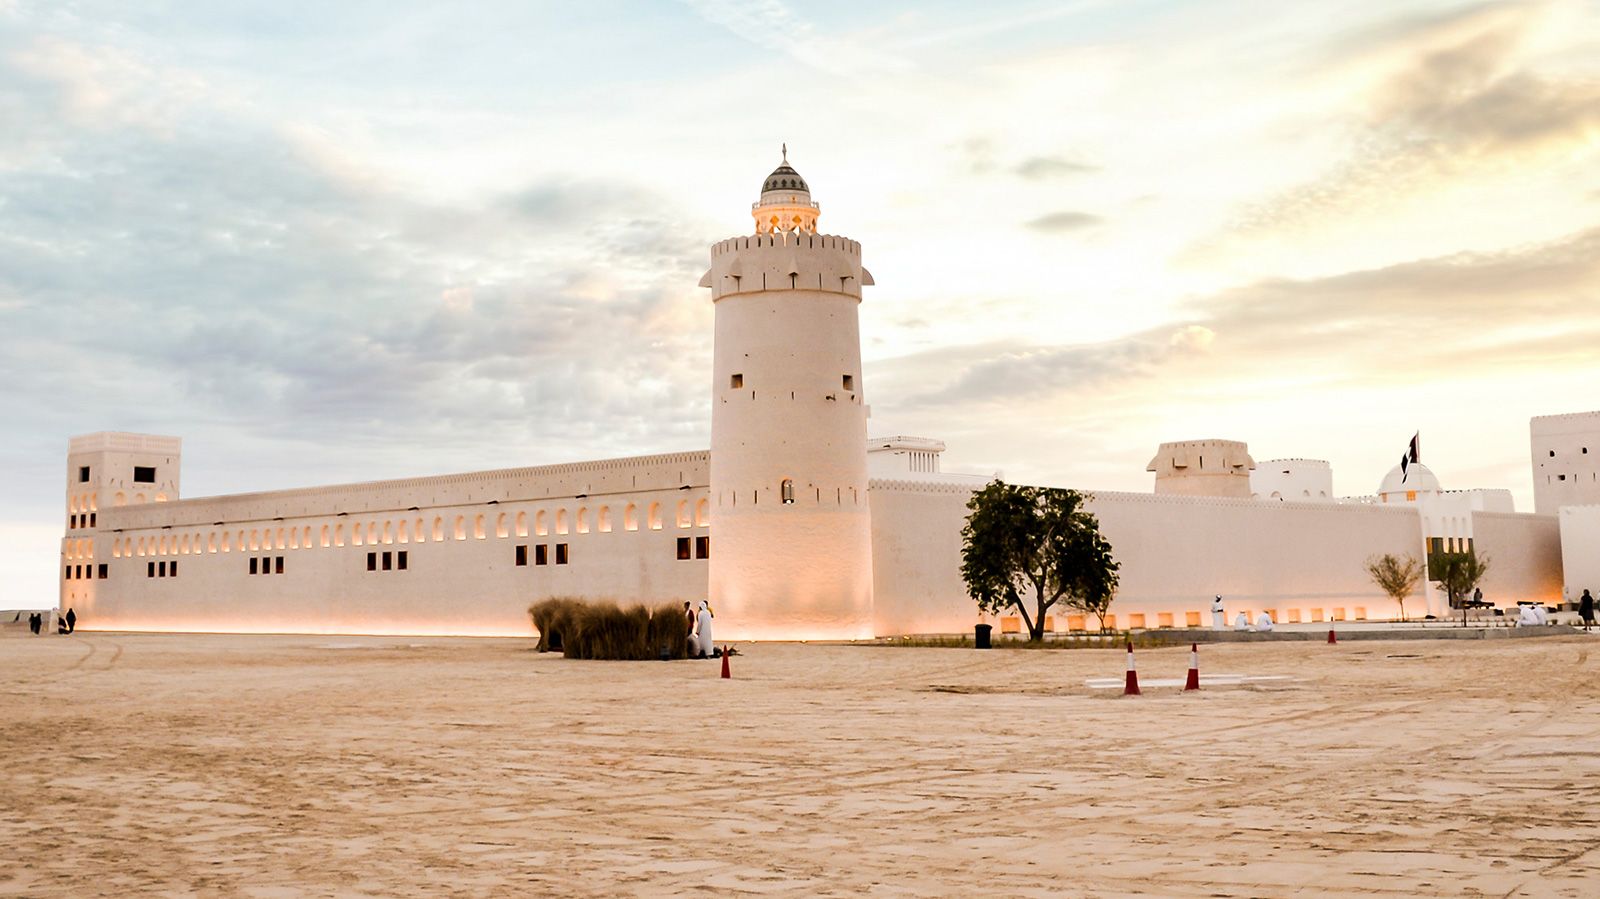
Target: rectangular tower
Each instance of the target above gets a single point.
(104, 470)
(1566, 461)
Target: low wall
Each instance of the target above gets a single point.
(1301, 561)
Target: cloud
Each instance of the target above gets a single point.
(1060, 222)
(771, 25)
(1038, 168)
(1431, 320)
(1460, 99)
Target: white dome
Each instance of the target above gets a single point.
(1417, 477)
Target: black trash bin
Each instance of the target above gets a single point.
(980, 636)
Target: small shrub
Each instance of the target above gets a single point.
(605, 630)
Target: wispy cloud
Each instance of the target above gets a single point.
(1068, 220)
(1039, 168)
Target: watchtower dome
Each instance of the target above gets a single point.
(785, 203)
(792, 550)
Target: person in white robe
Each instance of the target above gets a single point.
(1527, 616)
(703, 631)
(1264, 622)
(1219, 616)
(1241, 622)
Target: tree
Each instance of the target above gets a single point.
(1038, 545)
(1456, 574)
(1396, 576)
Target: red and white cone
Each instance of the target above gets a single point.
(1331, 637)
(726, 675)
(1132, 686)
(1193, 683)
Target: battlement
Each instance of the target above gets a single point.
(125, 442)
(786, 261)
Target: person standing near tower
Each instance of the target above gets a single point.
(1219, 615)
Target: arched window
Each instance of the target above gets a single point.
(121, 499)
(500, 526)
(461, 527)
(140, 546)
(582, 523)
(604, 519)
(294, 538)
(438, 528)
(630, 518)
(478, 530)
(305, 538)
(280, 538)
(561, 521)
(655, 516)
(355, 534)
(138, 499)
(522, 524)
(541, 523)
(338, 535)
(372, 533)
(403, 536)
(683, 514)
(702, 513)
(388, 531)
(161, 497)
(227, 544)
(325, 540)
(418, 534)
(211, 542)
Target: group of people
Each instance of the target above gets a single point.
(699, 623)
(65, 624)
(1241, 622)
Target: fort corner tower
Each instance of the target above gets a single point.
(793, 551)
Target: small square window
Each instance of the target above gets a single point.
(144, 474)
(702, 547)
(400, 560)
(849, 382)
(388, 561)
(278, 565)
(561, 554)
(83, 474)
(372, 561)
(683, 548)
(541, 554)
(150, 570)
(736, 382)
(255, 565)
(522, 555)
(105, 571)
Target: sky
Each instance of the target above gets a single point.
(329, 242)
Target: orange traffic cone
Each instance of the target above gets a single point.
(1193, 683)
(1331, 637)
(725, 674)
(1131, 688)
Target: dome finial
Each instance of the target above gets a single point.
(785, 152)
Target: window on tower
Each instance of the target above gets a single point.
(144, 474)
(83, 474)
(737, 381)
(849, 382)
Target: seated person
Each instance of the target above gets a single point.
(1242, 622)
(1264, 622)
(1527, 616)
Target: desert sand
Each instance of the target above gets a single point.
(277, 765)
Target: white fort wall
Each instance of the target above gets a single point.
(1524, 554)
(620, 522)
(1300, 561)
(1580, 550)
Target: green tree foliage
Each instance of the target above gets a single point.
(1035, 546)
(1397, 576)
(1456, 574)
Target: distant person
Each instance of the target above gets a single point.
(1477, 596)
(61, 626)
(690, 618)
(1219, 615)
(1264, 622)
(1586, 609)
(1241, 622)
(1527, 614)
(72, 621)
(704, 633)
(35, 623)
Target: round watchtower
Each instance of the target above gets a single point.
(792, 549)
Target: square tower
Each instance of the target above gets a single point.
(1566, 461)
(105, 470)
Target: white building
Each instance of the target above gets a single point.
(795, 523)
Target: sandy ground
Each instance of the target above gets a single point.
(267, 766)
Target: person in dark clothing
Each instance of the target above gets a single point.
(35, 621)
(61, 626)
(1586, 609)
(72, 621)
